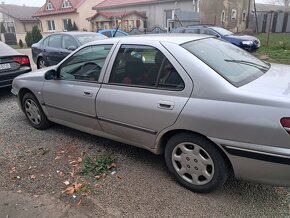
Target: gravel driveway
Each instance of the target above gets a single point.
(35, 164)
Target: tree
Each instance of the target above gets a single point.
(75, 27)
(285, 3)
(69, 25)
(2, 28)
(36, 35)
(28, 39)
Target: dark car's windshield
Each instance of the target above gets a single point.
(234, 64)
(222, 31)
(85, 38)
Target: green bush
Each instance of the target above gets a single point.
(20, 43)
(36, 35)
(28, 39)
(75, 27)
(69, 25)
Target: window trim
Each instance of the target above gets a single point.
(49, 6)
(49, 25)
(156, 86)
(67, 5)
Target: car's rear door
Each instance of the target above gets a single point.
(53, 51)
(70, 99)
(132, 103)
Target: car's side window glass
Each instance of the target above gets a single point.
(144, 66)
(45, 41)
(192, 30)
(107, 33)
(68, 42)
(204, 31)
(55, 41)
(86, 64)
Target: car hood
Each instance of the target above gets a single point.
(275, 82)
(240, 37)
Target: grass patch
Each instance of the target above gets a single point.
(278, 49)
(18, 47)
(96, 166)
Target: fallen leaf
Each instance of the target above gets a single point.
(73, 188)
(36, 196)
(80, 159)
(19, 191)
(78, 186)
(98, 177)
(57, 157)
(32, 176)
(113, 165)
(70, 190)
(119, 177)
(78, 204)
(66, 182)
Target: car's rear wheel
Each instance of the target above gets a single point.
(34, 112)
(41, 63)
(196, 162)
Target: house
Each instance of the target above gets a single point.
(16, 21)
(231, 14)
(56, 15)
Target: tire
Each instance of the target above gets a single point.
(196, 163)
(34, 112)
(41, 63)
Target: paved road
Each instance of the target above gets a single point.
(28, 52)
(34, 165)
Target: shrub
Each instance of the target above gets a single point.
(36, 35)
(69, 25)
(20, 43)
(75, 27)
(28, 39)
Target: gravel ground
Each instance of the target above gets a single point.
(35, 164)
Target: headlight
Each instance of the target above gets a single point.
(247, 42)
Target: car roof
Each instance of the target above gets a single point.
(6, 50)
(73, 33)
(176, 38)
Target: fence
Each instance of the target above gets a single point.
(273, 21)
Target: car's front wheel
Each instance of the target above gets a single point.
(34, 112)
(41, 63)
(196, 162)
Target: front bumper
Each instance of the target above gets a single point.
(259, 163)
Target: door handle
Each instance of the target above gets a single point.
(166, 105)
(44, 50)
(88, 93)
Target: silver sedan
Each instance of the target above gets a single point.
(208, 106)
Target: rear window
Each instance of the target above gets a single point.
(231, 62)
(85, 38)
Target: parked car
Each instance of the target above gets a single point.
(249, 43)
(12, 64)
(209, 106)
(110, 33)
(55, 47)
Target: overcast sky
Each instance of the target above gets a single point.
(39, 3)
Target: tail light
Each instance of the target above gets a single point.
(285, 122)
(21, 60)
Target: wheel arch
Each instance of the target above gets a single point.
(166, 136)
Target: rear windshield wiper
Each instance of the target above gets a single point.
(249, 63)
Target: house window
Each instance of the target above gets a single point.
(168, 15)
(66, 4)
(50, 25)
(234, 14)
(244, 16)
(65, 23)
(223, 17)
(49, 6)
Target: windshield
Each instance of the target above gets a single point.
(85, 38)
(222, 31)
(234, 64)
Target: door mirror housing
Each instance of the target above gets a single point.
(51, 74)
(72, 48)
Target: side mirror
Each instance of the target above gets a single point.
(50, 75)
(72, 48)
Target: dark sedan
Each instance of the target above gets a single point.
(247, 42)
(55, 47)
(12, 64)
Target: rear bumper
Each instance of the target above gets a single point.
(259, 163)
(6, 78)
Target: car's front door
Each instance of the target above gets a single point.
(70, 99)
(52, 53)
(144, 91)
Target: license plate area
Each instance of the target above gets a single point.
(6, 66)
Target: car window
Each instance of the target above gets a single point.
(55, 41)
(45, 41)
(107, 33)
(86, 64)
(68, 41)
(233, 63)
(192, 30)
(204, 31)
(145, 66)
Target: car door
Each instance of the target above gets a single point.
(68, 45)
(53, 51)
(132, 103)
(70, 98)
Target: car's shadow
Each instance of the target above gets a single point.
(5, 93)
